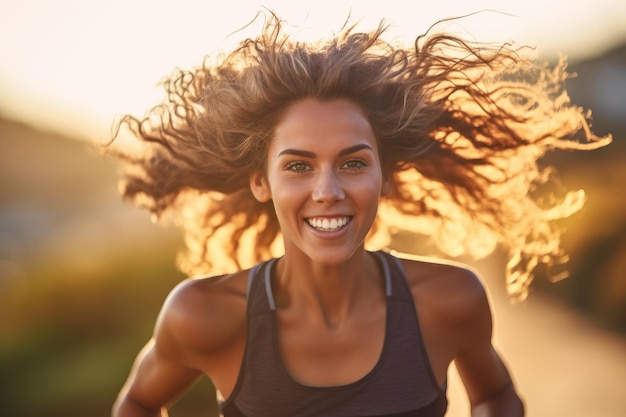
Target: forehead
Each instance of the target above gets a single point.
(312, 122)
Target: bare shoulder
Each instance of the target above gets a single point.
(450, 293)
(449, 281)
(203, 315)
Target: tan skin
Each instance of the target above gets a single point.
(329, 292)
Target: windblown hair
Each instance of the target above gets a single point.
(461, 127)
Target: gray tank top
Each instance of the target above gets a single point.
(401, 384)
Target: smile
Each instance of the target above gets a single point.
(326, 224)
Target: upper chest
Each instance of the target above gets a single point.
(317, 353)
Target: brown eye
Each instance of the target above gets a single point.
(297, 166)
(354, 164)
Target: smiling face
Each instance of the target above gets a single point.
(324, 178)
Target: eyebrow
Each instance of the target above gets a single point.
(308, 154)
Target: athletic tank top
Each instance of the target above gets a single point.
(401, 384)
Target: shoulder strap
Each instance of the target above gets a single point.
(251, 274)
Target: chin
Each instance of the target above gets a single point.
(330, 257)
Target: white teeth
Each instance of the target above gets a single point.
(328, 225)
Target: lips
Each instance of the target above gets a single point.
(328, 224)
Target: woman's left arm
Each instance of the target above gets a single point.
(455, 317)
(489, 386)
(488, 383)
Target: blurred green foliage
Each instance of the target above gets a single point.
(69, 341)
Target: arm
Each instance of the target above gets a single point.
(455, 319)
(489, 386)
(162, 370)
(154, 382)
(506, 403)
(490, 389)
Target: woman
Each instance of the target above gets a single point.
(297, 155)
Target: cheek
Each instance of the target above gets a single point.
(371, 184)
(367, 192)
(287, 194)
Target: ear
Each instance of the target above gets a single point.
(259, 187)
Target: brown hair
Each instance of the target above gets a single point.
(460, 127)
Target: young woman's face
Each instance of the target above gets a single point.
(324, 178)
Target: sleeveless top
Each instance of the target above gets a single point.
(401, 384)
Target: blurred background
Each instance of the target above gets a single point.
(83, 274)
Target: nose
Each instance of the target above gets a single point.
(327, 188)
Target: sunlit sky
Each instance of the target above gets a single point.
(69, 65)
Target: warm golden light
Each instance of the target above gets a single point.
(71, 66)
(83, 274)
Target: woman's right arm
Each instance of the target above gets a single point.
(167, 365)
(202, 319)
(155, 381)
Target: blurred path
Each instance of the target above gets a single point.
(563, 365)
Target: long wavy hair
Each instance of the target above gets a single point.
(460, 126)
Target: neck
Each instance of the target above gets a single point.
(327, 293)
